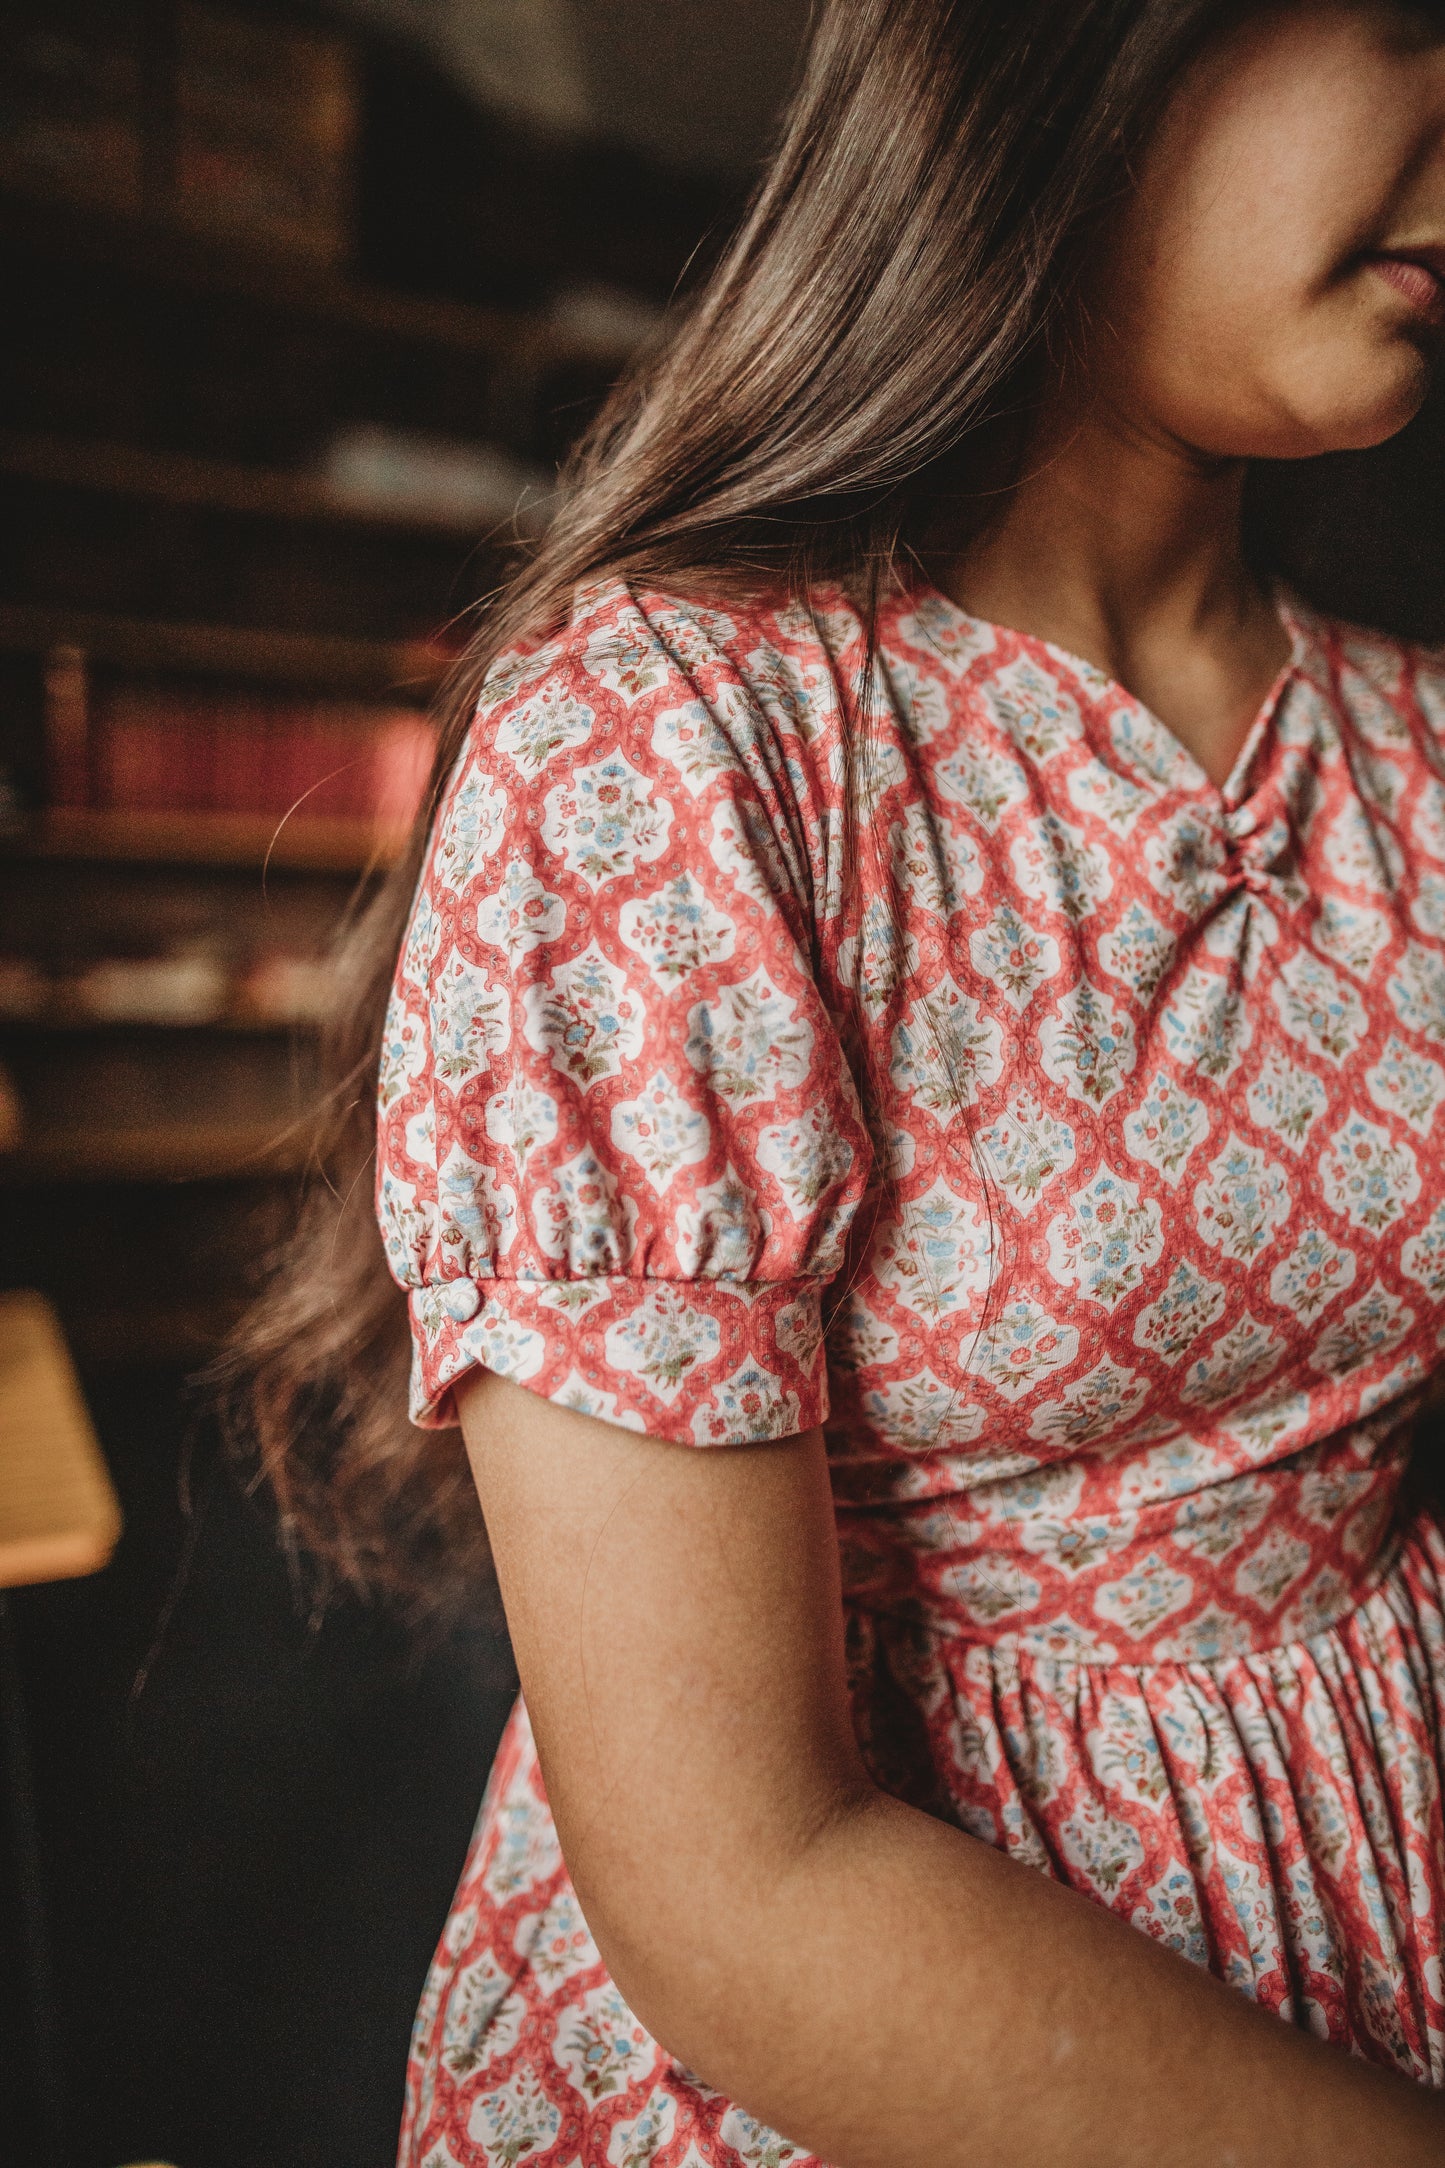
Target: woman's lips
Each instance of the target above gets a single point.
(1419, 283)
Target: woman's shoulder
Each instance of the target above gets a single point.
(769, 659)
(650, 724)
(1386, 681)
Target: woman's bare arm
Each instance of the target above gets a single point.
(878, 1986)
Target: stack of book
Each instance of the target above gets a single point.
(70, 126)
(154, 747)
(231, 125)
(265, 123)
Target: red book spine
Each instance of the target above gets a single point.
(68, 752)
(190, 761)
(336, 756)
(126, 779)
(305, 764)
(238, 755)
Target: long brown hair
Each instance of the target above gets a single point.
(903, 273)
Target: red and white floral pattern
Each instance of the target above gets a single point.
(1071, 1155)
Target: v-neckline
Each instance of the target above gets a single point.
(1174, 765)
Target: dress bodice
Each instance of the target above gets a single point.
(952, 1062)
(1126, 1362)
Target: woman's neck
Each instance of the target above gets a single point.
(1124, 547)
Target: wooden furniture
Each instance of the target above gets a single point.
(59, 1517)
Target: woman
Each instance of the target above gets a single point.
(927, 982)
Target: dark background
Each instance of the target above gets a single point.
(251, 1824)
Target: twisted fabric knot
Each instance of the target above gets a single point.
(1262, 855)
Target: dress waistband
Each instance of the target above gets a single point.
(1262, 1558)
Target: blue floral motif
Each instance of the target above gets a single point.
(470, 1021)
(751, 1404)
(537, 728)
(1185, 862)
(677, 930)
(1246, 1355)
(985, 783)
(1423, 1256)
(1417, 990)
(1106, 1242)
(663, 1340)
(583, 1220)
(1368, 1176)
(748, 1041)
(1245, 1200)
(719, 1232)
(1137, 952)
(1406, 1084)
(1088, 1045)
(1188, 1306)
(1317, 1007)
(604, 821)
(1369, 1328)
(1020, 1347)
(522, 914)
(471, 830)
(588, 1019)
(811, 1162)
(1207, 1024)
(945, 1050)
(1166, 1127)
(661, 1130)
(937, 1258)
(1058, 866)
(1101, 1404)
(1315, 1272)
(1025, 1149)
(1287, 1098)
(516, 2121)
(1013, 956)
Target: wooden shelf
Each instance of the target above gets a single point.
(211, 485)
(58, 1512)
(189, 263)
(170, 1152)
(378, 667)
(287, 285)
(68, 1020)
(213, 839)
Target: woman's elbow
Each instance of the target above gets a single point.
(703, 1941)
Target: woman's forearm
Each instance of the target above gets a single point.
(899, 1995)
(870, 1981)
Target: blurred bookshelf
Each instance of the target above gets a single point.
(213, 485)
(253, 475)
(165, 1152)
(214, 839)
(252, 654)
(149, 252)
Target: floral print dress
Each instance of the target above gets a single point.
(1067, 1144)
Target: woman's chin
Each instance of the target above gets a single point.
(1358, 423)
(1311, 428)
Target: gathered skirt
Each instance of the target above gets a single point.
(1275, 1816)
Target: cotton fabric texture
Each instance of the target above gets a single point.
(1088, 1193)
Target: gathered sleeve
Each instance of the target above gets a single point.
(619, 1145)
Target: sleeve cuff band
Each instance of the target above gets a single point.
(695, 1362)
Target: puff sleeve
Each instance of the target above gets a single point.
(619, 1145)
